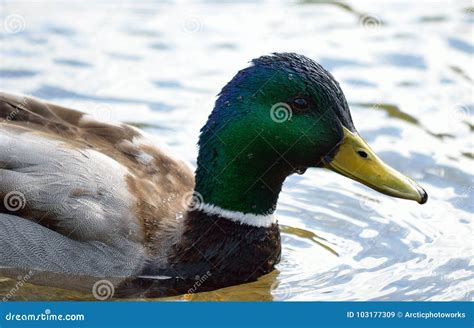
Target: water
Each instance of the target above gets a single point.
(405, 67)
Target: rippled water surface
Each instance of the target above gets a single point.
(406, 69)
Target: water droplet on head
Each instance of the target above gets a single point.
(250, 155)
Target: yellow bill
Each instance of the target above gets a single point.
(357, 161)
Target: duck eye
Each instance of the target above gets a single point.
(300, 103)
(362, 154)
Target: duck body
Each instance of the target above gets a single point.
(213, 252)
(84, 200)
(89, 199)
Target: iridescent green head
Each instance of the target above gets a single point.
(283, 114)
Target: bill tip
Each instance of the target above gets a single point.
(424, 195)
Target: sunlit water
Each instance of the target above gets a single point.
(406, 71)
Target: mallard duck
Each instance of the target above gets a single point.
(89, 200)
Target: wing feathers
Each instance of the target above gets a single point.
(89, 177)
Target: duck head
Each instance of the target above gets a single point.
(283, 114)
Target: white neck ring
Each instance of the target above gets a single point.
(255, 220)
